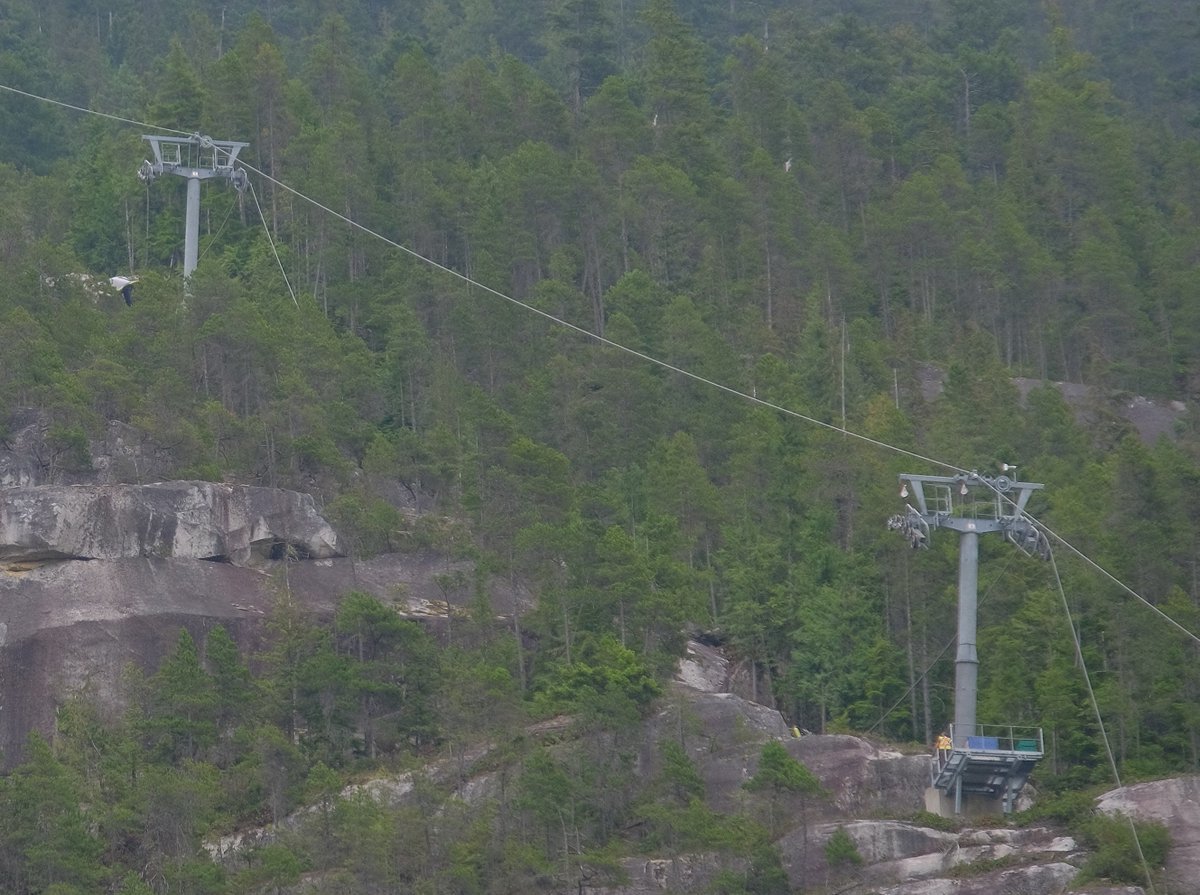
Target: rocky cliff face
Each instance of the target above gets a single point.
(95, 576)
(168, 520)
(31, 454)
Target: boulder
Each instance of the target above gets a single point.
(1175, 803)
(652, 876)
(724, 733)
(895, 852)
(1038, 879)
(704, 668)
(238, 524)
(862, 777)
(33, 453)
(890, 851)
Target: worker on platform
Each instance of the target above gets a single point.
(944, 746)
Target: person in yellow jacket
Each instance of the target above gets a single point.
(943, 745)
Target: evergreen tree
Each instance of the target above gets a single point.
(46, 843)
(181, 715)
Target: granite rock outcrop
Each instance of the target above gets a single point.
(182, 520)
(94, 577)
(1175, 803)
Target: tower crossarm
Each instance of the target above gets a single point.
(991, 502)
(196, 157)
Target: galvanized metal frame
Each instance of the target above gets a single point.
(971, 504)
(196, 157)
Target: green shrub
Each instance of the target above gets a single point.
(763, 875)
(1069, 808)
(1115, 856)
(69, 448)
(368, 524)
(841, 852)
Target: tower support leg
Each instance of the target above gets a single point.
(966, 665)
(191, 234)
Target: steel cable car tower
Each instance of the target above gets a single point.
(197, 158)
(985, 763)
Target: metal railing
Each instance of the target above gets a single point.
(1009, 740)
(998, 738)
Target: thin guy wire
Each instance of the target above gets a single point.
(216, 235)
(938, 657)
(1087, 679)
(912, 686)
(1118, 582)
(271, 241)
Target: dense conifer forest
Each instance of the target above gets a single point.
(817, 204)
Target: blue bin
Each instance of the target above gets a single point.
(983, 743)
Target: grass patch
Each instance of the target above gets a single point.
(980, 866)
(935, 821)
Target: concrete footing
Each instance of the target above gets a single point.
(974, 805)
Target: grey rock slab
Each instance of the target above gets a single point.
(184, 520)
(1041, 879)
(1175, 803)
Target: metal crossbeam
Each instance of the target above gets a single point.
(196, 158)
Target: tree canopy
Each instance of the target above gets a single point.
(469, 225)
